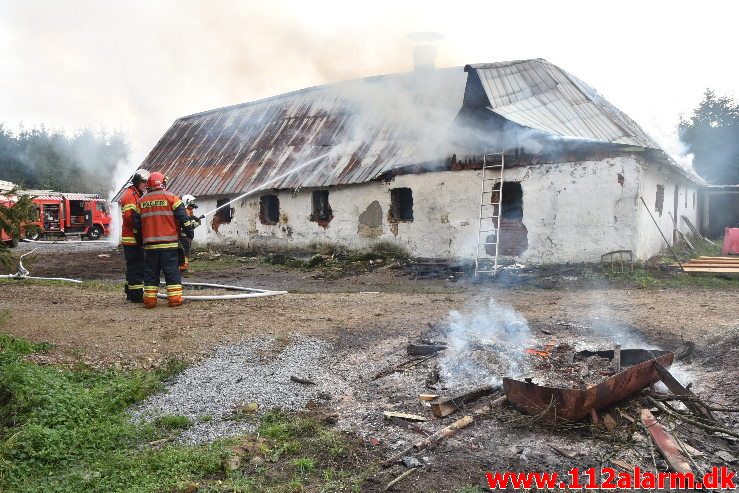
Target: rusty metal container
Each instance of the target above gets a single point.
(574, 404)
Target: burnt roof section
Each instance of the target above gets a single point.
(359, 130)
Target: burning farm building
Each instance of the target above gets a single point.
(399, 159)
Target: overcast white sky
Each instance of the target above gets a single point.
(138, 65)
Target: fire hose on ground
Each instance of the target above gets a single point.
(24, 274)
(247, 292)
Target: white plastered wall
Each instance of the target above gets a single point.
(574, 212)
(651, 241)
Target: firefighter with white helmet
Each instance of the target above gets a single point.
(132, 251)
(185, 241)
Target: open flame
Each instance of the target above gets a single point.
(544, 352)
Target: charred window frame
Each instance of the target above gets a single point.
(321, 210)
(401, 204)
(660, 199)
(225, 214)
(269, 209)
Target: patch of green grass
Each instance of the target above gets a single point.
(64, 431)
(172, 422)
(304, 465)
(648, 278)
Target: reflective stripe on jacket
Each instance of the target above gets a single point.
(128, 211)
(159, 213)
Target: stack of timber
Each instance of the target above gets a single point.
(712, 265)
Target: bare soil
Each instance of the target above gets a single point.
(369, 317)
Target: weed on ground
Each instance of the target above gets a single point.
(63, 430)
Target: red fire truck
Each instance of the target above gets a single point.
(64, 214)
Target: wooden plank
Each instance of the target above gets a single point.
(719, 258)
(711, 266)
(431, 440)
(428, 397)
(713, 270)
(665, 443)
(405, 416)
(678, 389)
(717, 263)
(446, 406)
(716, 260)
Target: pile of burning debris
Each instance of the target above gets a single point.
(556, 385)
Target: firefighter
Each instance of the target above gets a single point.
(185, 242)
(132, 252)
(161, 216)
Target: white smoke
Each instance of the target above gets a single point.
(468, 359)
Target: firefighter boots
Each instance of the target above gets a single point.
(150, 296)
(174, 294)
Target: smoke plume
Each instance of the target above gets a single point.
(470, 337)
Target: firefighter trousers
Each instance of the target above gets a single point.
(184, 252)
(134, 256)
(157, 261)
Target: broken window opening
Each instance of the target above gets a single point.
(225, 214)
(693, 200)
(401, 201)
(512, 204)
(269, 209)
(321, 208)
(660, 200)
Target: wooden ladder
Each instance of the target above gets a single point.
(491, 197)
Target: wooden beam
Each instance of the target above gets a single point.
(665, 443)
(679, 389)
(405, 416)
(446, 406)
(713, 270)
(432, 440)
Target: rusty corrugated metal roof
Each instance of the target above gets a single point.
(363, 128)
(366, 126)
(539, 95)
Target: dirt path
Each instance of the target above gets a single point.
(100, 328)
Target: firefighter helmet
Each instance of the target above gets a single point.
(188, 200)
(140, 176)
(156, 180)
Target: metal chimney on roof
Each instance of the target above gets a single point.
(424, 53)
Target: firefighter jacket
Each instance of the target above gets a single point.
(128, 211)
(194, 221)
(161, 216)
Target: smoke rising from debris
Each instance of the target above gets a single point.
(495, 331)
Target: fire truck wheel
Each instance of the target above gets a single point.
(33, 236)
(95, 233)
